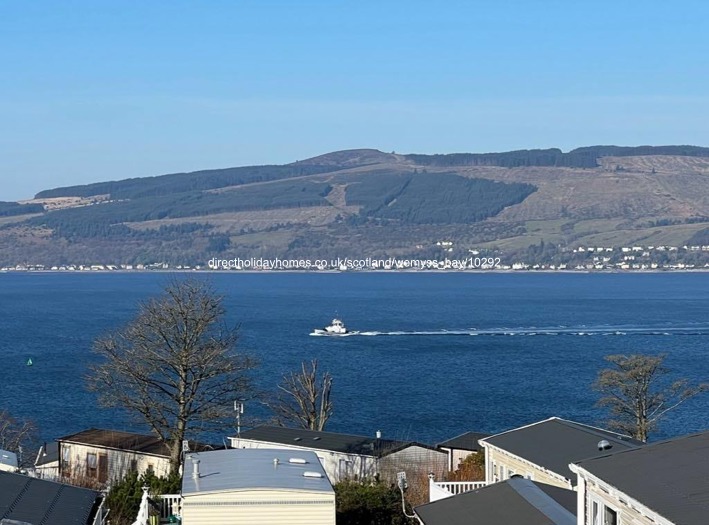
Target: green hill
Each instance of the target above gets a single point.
(371, 203)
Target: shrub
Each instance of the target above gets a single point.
(472, 468)
(124, 497)
(374, 503)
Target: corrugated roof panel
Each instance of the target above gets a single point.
(39, 501)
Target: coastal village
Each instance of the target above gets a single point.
(553, 471)
(579, 259)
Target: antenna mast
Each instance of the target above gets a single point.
(239, 409)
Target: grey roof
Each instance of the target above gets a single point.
(467, 441)
(119, 440)
(516, 501)
(116, 439)
(48, 453)
(253, 469)
(36, 501)
(555, 443)
(312, 439)
(8, 458)
(670, 477)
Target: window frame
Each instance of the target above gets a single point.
(92, 471)
(66, 461)
(599, 512)
(344, 469)
(606, 510)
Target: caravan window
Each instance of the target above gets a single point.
(66, 461)
(91, 465)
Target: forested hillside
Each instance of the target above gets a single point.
(8, 209)
(184, 182)
(538, 203)
(425, 198)
(577, 158)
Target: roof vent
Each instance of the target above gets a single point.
(311, 474)
(298, 461)
(604, 444)
(317, 438)
(297, 439)
(195, 468)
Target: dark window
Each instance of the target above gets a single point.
(103, 468)
(91, 465)
(66, 461)
(345, 468)
(610, 517)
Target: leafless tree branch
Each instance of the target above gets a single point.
(175, 365)
(303, 398)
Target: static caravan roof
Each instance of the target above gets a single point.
(31, 500)
(516, 501)
(467, 441)
(670, 477)
(8, 460)
(118, 440)
(334, 442)
(48, 453)
(252, 469)
(555, 443)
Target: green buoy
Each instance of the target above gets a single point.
(29, 362)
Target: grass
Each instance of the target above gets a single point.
(676, 235)
(549, 231)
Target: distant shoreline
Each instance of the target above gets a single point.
(407, 271)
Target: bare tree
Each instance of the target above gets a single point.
(174, 366)
(638, 394)
(303, 398)
(18, 437)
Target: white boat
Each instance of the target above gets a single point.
(336, 327)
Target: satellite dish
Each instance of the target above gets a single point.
(604, 444)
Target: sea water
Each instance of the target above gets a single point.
(437, 354)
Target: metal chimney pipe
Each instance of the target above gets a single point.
(195, 468)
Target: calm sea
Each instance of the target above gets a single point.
(440, 353)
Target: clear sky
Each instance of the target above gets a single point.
(102, 90)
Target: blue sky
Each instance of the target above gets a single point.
(93, 91)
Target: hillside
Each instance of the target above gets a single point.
(366, 203)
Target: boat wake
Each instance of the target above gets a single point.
(584, 331)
